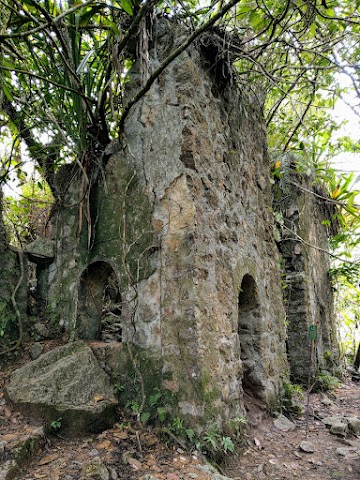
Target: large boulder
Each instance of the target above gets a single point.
(65, 384)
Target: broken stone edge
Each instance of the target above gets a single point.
(13, 461)
(75, 422)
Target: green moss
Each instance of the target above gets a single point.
(127, 376)
(122, 226)
(209, 390)
(10, 274)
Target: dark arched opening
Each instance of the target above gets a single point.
(249, 335)
(99, 306)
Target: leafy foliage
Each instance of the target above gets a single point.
(26, 216)
(324, 381)
(63, 66)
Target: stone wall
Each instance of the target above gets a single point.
(176, 242)
(9, 278)
(308, 294)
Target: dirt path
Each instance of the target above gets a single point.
(278, 456)
(133, 454)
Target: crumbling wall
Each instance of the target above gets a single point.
(11, 275)
(308, 293)
(181, 217)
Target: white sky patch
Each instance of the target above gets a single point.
(344, 110)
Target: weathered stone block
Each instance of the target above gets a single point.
(41, 251)
(336, 425)
(354, 424)
(284, 424)
(65, 383)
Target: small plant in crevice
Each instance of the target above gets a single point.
(54, 426)
(212, 442)
(216, 445)
(337, 368)
(237, 428)
(134, 406)
(118, 389)
(292, 402)
(155, 410)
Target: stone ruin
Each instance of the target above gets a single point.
(13, 288)
(308, 294)
(172, 255)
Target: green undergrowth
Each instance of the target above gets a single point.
(157, 412)
(325, 381)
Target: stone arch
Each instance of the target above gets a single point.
(99, 305)
(249, 329)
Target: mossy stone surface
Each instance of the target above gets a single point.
(66, 383)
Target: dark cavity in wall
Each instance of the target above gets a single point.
(249, 335)
(99, 306)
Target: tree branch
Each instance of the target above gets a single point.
(46, 160)
(45, 25)
(47, 80)
(171, 58)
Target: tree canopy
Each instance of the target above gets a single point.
(64, 64)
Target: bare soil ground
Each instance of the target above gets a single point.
(277, 455)
(131, 452)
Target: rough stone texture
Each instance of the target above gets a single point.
(65, 383)
(339, 428)
(14, 457)
(308, 293)
(336, 425)
(284, 424)
(354, 424)
(9, 277)
(40, 251)
(307, 446)
(346, 451)
(211, 470)
(35, 350)
(94, 470)
(108, 355)
(341, 425)
(182, 229)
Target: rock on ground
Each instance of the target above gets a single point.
(284, 424)
(95, 470)
(66, 384)
(14, 455)
(307, 447)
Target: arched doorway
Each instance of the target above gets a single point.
(99, 306)
(249, 329)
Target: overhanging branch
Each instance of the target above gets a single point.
(170, 58)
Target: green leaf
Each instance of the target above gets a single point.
(144, 417)
(127, 6)
(153, 399)
(7, 92)
(227, 444)
(256, 20)
(312, 30)
(161, 412)
(86, 17)
(330, 12)
(244, 9)
(190, 433)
